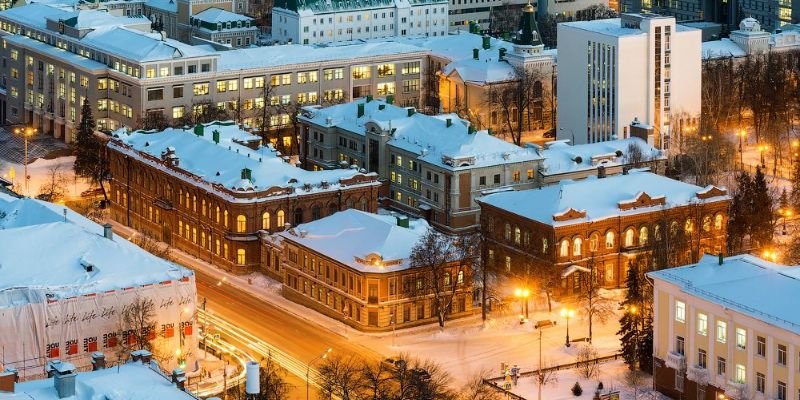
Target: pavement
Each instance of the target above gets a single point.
(12, 146)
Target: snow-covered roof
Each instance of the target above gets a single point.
(364, 241)
(166, 5)
(73, 242)
(450, 145)
(560, 157)
(594, 199)
(609, 27)
(744, 283)
(722, 48)
(223, 163)
(291, 54)
(217, 15)
(131, 381)
(56, 53)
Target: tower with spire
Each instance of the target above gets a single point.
(528, 45)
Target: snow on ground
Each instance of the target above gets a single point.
(42, 172)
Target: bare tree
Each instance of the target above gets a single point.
(520, 101)
(594, 305)
(139, 319)
(202, 112)
(151, 245)
(55, 188)
(636, 380)
(339, 377)
(273, 380)
(375, 378)
(586, 361)
(476, 389)
(153, 120)
(435, 259)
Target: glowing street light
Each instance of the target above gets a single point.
(522, 294)
(567, 313)
(785, 213)
(26, 132)
(770, 255)
(761, 149)
(308, 366)
(741, 134)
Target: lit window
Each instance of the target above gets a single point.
(281, 219)
(610, 240)
(564, 252)
(629, 237)
(722, 331)
(241, 223)
(702, 324)
(265, 220)
(741, 338)
(741, 374)
(680, 311)
(241, 257)
(576, 246)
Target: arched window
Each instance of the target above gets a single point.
(332, 209)
(643, 236)
(689, 226)
(507, 232)
(593, 241)
(217, 214)
(718, 222)
(180, 228)
(265, 220)
(225, 218)
(707, 223)
(194, 203)
(629, 237)
(673, 228)
(241, 257)
(460, 278)
(281, 219)
(577, 243)
(241, 223)
(517, 235)
(298, 216)
(316, 212)
(187, 200)
(203, 207)
(564, 252)
(657, 232)
(526, 239)
(544, 246)
(180, 197)
(365, 204)
(609, 240)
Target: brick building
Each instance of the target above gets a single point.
(211, 190)
(562, 232)
(354, 266)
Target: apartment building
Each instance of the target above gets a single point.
(727, 328)
(435, 166)
(332, 21)
(212, 190)
(224, 27)
(596, 228)
(354, 266)
(641, 66)
(57, 58)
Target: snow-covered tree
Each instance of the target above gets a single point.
(90, 161)
(636, 323)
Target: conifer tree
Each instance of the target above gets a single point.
(89, 160)
(636, 324)
(761, 216)
(794, 196)
(739, 215)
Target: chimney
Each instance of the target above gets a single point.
(601, 172)
(411, 111)
(369, 98)
(108, 233)
(215, 136)
(402, 221)
(475, 54)
(98, 361)
(141, 355)
(625, 170)
(381, 106)
(360, 110)
(179, 379)
(63, 374)
(247, 174)
(502, 52)
(721, 259)
(487, 42)
(449, 122)
(390, 99)
(198, 129)
(8, 380)
(252, 385)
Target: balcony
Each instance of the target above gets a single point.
(675, 361)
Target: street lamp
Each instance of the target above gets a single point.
(785, 213)
(522, 294)
(770, 255)
(541, 325)
(567, 313)
(795, 146)
(26, 132)
(741, 134)
(308, 366)
(761, 149)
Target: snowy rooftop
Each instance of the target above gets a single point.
(222, 163)
(452, 147)
(56, 53)
(560, 157)
(166, 5)
(26, 223)
(594, 199)
(302, 54)
(745, 283)
(364, 241)
(610, 27)
(132, 381)
(722, 48)
(216, 15)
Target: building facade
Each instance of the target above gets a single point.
(224, 27)
(564, 234)
(435, 166)
(213, 190)
(724, 329)
(354, 267)
(323, 22)
(641, 66)
(128, 74)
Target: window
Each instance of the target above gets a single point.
(177, 92)
(410, 85)
(385, 70)
(722, 331)
(508, 264)
(517, 235)
(576, 246)
(386, 88)
(241, 257)
(679, 381)
(593, 242)
(741, 338)
(497, 179)
(720, 366)
(410, 68)
(629, 237)
(760, 381)
(155, 94)
(333, 74)
(200, 89)
(643, 233)
(265, 220)
(741, 374)
(707, 223)
(564, 248)
(781, 390)
(782, 355)
(609, 240)
(362, 72)
(281, 222)
(680, 311)
(761, 346)
(702, 358)
(177, 112)
(241, 223)
(702, 324)
(718, 222)
(680, 345)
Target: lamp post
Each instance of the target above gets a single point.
(761, 149)
(308, 366)
(785, 213)
(540, 326)
(795, 146)
(25, 132)
(522, 294)
(741, 134)
(567, 313)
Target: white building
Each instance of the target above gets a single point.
(331, 21)
(65, 281)
(639, 66)
(750, 38)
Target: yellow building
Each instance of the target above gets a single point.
(727, 328)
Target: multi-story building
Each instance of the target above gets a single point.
(65, 303)
(726, 328)
(221, 26)
(355, 267)
(435, 166)
(127, 73)
(751, 39)
(324, 21)
(771, 14)
(641, 66)
(211, 191)
(563, 233)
